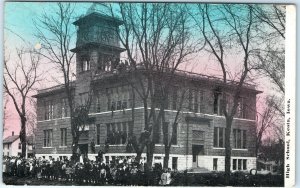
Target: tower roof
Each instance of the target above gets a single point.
(99, 7)
(99, 11)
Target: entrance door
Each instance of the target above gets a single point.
(83, 149)
(197, 150)
(83, 143)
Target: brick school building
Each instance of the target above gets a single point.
(200, 133)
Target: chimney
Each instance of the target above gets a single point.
(12, 133)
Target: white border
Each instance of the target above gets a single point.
(290, 91)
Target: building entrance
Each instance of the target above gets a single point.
(83, 143)
(84, 148)
(197, 150)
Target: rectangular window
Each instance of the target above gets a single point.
(107, 129)
(46, 111)
(219, 137)
(190, 99)
(195, 100)
(124, 104)
(124, 133)
(167, 102)
(63, 137)
(49, 108)
(216, 132)
(98, 104)
(106, 159)
(64, 108)
(234, 164)
(130, 101)
(117, 133)
(244, 164)
(119, 105)
(86, 65)
(48, 138)
(244, 139)
(239, 138)
(201, 101)
(108, 99)
(240, 164)
(166, 132)
(174, 135)
(215, 164)
(20, 146)
(130, 128)
(113, 106)
(174, 163)
(216, 102)
(241, 109)
(98, 134)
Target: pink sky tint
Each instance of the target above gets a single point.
(22, 27)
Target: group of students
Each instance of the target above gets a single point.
(120, 171)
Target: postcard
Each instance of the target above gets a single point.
(149, 94)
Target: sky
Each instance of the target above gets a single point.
(19, 31)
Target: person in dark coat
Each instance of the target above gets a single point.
(100, 156)
(120, 175)
(102, 174)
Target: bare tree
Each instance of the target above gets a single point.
(158, 39)
(5, 114)
(266, 120)
(227, 27)
(270, 58)
(20, 78)
(55, 32)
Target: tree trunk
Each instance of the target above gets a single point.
(227, 149)
(150, 151)
(138, 156)
(23, 136)
(74, 140)
(167, 157)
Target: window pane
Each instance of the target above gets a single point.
(240, 164)
(244, 164)
(215, 164)
(44, 138)
(234, 164)
(174, 141)
(234, 138)
(61, 137)
(107, 129)
(221, 144)
(130, 127)
(244, 140)
(174, 162)
(65, 137)
(239, 141)
(190, 99)
(98, 134)
(216, 137)
(195, 98)
(119, 105)
(51, 137)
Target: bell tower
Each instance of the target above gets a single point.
(97, 46)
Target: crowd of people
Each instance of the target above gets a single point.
(119, 171)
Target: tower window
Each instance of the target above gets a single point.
(86, 65)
